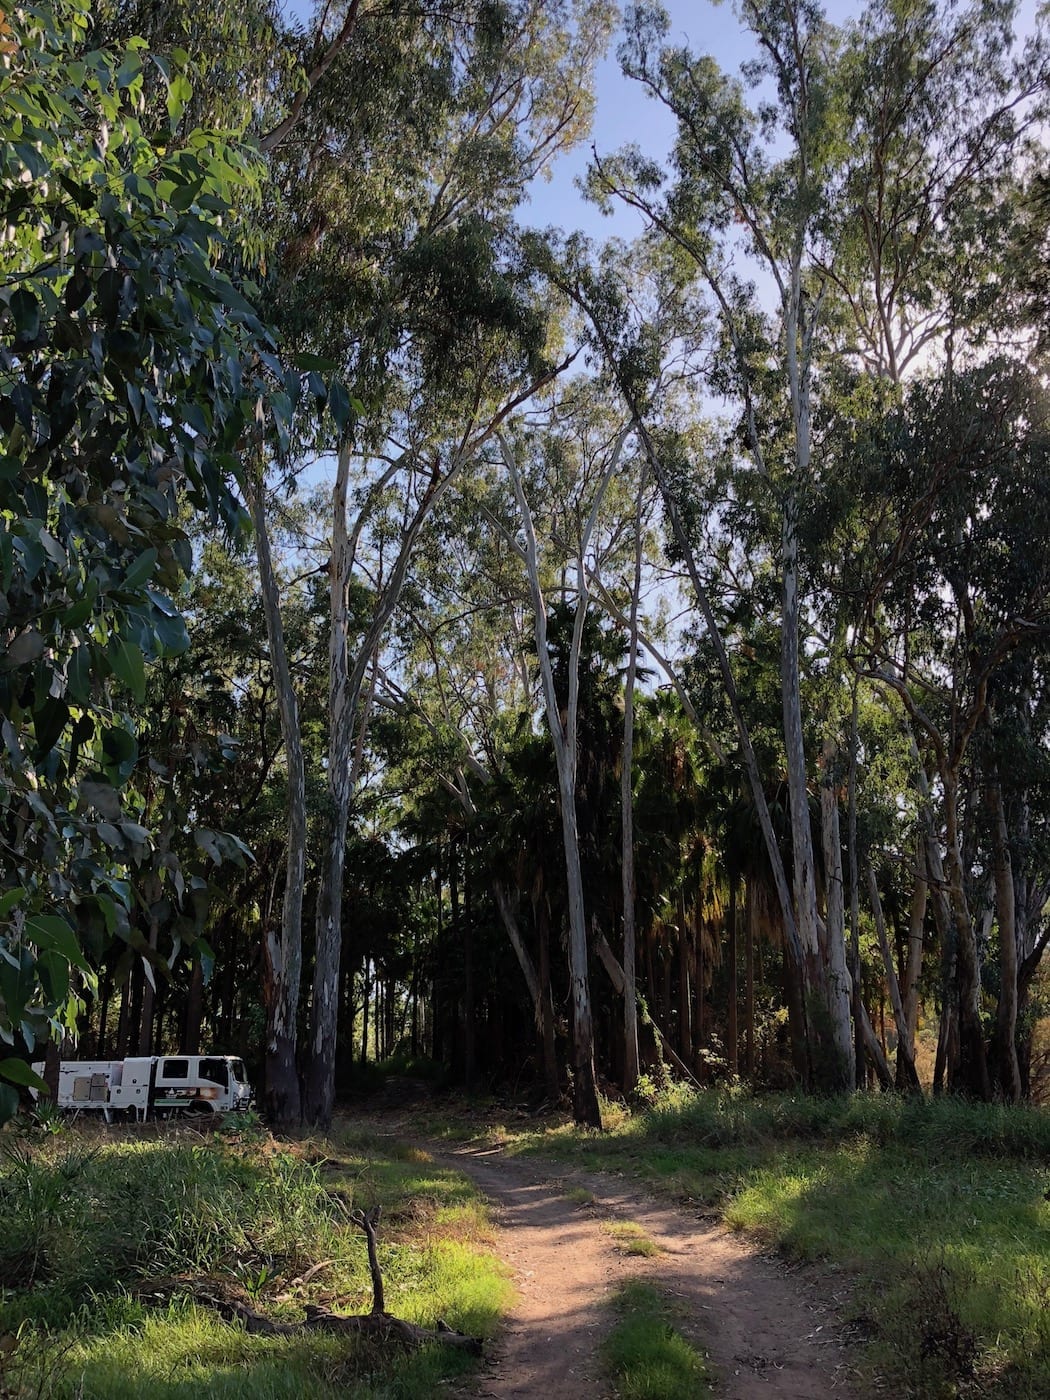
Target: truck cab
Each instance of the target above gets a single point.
(200, 1084)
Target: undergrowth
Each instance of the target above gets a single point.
(103, 1237)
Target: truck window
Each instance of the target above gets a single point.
(215, 1071)
(238, 1071)
(176, 1069)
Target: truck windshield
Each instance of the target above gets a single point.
(238, 1071)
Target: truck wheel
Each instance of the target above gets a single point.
(198, 1107)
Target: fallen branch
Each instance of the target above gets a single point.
(378, 1326)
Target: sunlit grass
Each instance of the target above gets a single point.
(648, 1358)
(630, 1238)
(103, 1241)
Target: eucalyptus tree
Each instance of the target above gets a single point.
(399, 270)
(959, 640)
(562, 713)
(127, 375)
(858, 210)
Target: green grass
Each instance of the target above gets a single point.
(630, 1238)
(648, 1358)
(102, 1236)
(939, 1209)
(579, 1196)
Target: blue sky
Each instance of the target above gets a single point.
(625, 114)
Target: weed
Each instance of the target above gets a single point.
(105, 1232)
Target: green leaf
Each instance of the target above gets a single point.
(78, 675)
(317, 362)
(9, 899)
(121, 751)
(53, 971)
(51, 931)
(172, 635)
(209, 843)
(339, 405)
(103, 797)
(179, 93)
(128, 664)
(25, 310)
(48, 723)
(184, 195)
(27, 646)
(18, 1072)
(140, 571)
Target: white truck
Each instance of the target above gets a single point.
(162, 1085)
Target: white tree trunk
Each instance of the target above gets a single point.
(630, 1002)
(283, 953)
(564, 737)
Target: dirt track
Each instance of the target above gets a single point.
(767, 1330)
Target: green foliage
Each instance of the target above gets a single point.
(631, 1239)
(125, 389)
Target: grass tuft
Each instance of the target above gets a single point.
(630, 1238)
(579, 1196)
(648, 1358)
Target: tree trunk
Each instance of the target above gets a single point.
(145, 1036)
(365, 998)
(1007, 1069)
(105, 993)
(630, 1000)
(732, 1033)
(191, 1036)
(469, 1011)
(833, 935)
(52, 1069)
(823, 1070)
(320, 1077)
(282, 953)
(619, 982)
(685, 1026)
(913, 960)
(539, 985)
(793, 996)
(586, 1108)
(971, 1075)
(138, 978)
(749, 984)
(857, 991)
(907, 1079)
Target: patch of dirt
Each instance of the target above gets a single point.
(768, 1330)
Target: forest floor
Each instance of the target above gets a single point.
(768, 1328)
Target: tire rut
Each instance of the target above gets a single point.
(768, 1331)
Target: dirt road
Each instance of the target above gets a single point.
(768, 1331)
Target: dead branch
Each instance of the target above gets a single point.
(368, 1222)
